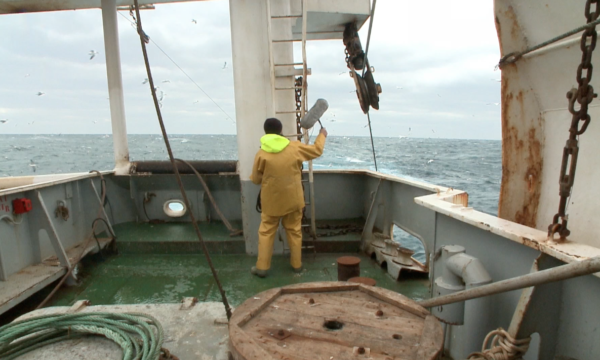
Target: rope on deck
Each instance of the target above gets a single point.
(502, 347)
(140, 336)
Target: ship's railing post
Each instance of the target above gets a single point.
(115, 85)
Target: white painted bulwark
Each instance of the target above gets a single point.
(536, 121)
(115, 85)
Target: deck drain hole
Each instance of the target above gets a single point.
(333, 325)
(397, 336)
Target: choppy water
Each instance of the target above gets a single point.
(470, 165)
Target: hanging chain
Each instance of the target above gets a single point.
(584, 95)
(298, 91)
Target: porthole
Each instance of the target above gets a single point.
(174, 208)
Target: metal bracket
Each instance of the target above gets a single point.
(54, 238)
(370, 222)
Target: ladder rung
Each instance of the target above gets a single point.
(285, 16)
(286, 40)
(305, 180)
(305, 225)
(286, 112)
(308, 247)
(289, 88)
(290, 64)
(286, 71)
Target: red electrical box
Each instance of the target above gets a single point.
(21, 206)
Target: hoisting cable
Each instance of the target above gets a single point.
(144, 39)
(363, 74)
(139, 336)
(87, 243)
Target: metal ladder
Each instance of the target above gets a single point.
(283, 70)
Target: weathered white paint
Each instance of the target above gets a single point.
(115, 86)
(536, 119)
(19, 184)
(251, 77)
(568, 251)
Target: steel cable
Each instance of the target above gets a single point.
(143, 40)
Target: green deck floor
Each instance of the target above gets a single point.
(162, 263)
(134, 279)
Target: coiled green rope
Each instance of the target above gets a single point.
(140, 336)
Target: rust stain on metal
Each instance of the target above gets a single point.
(527, 215)
(534, 244)
(461, 199)
(515, 29)
(521, 157)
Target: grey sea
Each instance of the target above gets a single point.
(471, 165)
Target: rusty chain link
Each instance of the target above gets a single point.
(298, 92)
(584, 95)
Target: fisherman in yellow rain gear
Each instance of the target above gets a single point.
(278, 169)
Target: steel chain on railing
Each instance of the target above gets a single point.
(584, 95)
(298, 92)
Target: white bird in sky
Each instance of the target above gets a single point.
(32, 165)
(196, 101)
(166, 81)
(342, 73)
(94, 121)
(93, 54)
(3, 121)
(41, 93)
(493, 104)
(26, 75)
(224, 66)
(145, 81)
(432, 131)
(31, 123)
(194, 21)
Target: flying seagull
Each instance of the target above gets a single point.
(32, 165)
(93, 54)
(3, 121)
(194, 21)
(40, 93)
(224, 66)
(166, 81)
(145, 81)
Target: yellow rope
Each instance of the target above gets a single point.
(502, 347)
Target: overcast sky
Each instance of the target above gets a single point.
(435, 61)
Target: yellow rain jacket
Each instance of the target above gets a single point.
(277, 168)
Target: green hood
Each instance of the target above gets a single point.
(272, 143)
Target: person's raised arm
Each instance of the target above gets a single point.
(310, 152)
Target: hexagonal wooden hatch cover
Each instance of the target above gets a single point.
(333, 321)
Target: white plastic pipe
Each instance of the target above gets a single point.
(558, 273)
